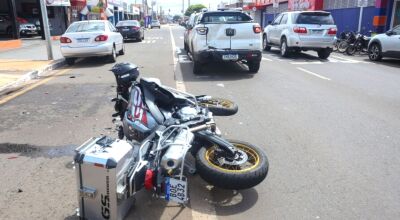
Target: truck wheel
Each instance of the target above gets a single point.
(253, 66)
(284, 48)
(197, 68)
(265, 43)
(324, 54)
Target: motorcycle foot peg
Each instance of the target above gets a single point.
(114, 99)
(115, 115)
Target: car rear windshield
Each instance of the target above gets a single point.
(225, 17)
(314, 18)
(86, 27)
(128, 23)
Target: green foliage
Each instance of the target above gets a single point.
(194, 8)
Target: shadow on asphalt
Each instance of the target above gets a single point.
(214, 71)
(294, 56)
(386, 62)
(231, 202)
(90, 62)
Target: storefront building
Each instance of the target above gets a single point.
(377, 15)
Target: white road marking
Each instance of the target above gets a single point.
(314, 74)
(184, 59)
(311, 62)
(221, 85)
(266, 59)
(153, 41)
(181, 37)
(210, 214)
(332, 60)
(345, 60)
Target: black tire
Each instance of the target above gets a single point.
(343, 46)
(197, 68)
(70, 61)
(284, 48)
(122, 51)
(232, 179)
(265, 43)
(351, 50)
(254, 66)
(185, 47)
(324, 54)
(220, 106)
(375, 52)
(113, 56)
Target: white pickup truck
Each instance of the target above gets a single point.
(223, 36)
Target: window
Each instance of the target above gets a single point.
(128, 23)
(284, 19)
(277, 20)
(314, 18)
(86, 27)
(396, 30)
(225, 17)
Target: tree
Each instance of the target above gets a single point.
(194, 8)
(177, 17)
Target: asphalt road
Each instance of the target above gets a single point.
(330, 130)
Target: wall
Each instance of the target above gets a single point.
(343, 22)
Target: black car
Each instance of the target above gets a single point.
(130, 29)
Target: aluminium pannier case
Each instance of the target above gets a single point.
(101, 166)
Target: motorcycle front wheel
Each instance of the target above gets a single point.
(220, 106)
(249, 168)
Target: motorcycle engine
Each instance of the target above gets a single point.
(187, 112)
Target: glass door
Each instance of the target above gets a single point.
(396, 14)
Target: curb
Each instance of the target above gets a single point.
(33, 75)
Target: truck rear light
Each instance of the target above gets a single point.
(65, 40)
(332, 31)
(101, 38)
(300, 30)
(202, 30)
(257, 28)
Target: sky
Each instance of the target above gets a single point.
(176, 5)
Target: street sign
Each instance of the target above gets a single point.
(362, 3)
(275, 4)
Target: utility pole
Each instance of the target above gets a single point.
(46, 29)
(183, 6)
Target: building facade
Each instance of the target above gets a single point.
(376, 15)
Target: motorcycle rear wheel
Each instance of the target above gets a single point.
(228, 176)
(220, 106)
(343, 46)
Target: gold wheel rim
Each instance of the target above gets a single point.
(251, 163)
(219, 102)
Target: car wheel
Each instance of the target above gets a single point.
(70, 61)
(375, 52)
(253, 67)
(284, 48)
(113, 55)
(122, 51)
(324, 54)
(265, 43)
(197, 68)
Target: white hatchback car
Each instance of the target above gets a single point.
(302, 30)
(91, 38)
(385, 45)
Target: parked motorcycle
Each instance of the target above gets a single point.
(360, 45)
(169, 124)
(346, 38)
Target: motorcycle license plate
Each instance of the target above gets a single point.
(176, 190)
(230, 57)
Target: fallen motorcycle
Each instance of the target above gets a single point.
(163, 127)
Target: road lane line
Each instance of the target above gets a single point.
(210, 213)
(153, 41)
(32, 86)
(314, 74)
(301, 63)
(266, 59)
(332, 60)
(346, 60)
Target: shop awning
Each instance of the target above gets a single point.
(58, 3)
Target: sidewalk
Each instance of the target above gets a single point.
(27, 62)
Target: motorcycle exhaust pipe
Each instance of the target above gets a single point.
(173, 157)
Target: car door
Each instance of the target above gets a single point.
(281, 27)
(273, 38)
(392, 43)
(116, 36)
(191, 31)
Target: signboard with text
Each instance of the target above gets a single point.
(58, 3)
(305, 5)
